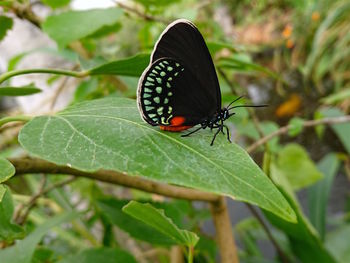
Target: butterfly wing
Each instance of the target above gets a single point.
(182, 41)
(179, 87)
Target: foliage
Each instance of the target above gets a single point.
(281, 51)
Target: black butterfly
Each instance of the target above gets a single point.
(180, 89)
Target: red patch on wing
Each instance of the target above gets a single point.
(175, 125)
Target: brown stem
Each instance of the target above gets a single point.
(33, 165)
(306, 124)
(224, 233)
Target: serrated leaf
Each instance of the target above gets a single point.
(109, 134)
(294, 162)
(19, 91)
(74, 25)
(112, 210)
(318, 194)
(7, 170)
(132, 66)
(6, 24)
(159, 221)
(23, 250)
(103, 254)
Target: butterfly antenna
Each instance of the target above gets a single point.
(234, 101)
(248, 106)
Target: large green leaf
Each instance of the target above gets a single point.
(112, 210)
(103, 254)
(6, 170)
(318, 193)
(132, 66)
(303, 238)
(19, 91)
(109, 134)
(73, 25)
(157, 219)
(23, 250)
(56, 3)
(297, 166)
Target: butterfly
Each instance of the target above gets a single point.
(180, 89)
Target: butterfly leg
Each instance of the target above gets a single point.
(188, 134)
(228, 133)
(216, 133)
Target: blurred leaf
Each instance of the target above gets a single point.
(133, 66)
(156, 3)
(341, 130)
(98, 134)
(303, 238)
(103, 255)
(296, 126)
(338, 242)
(42, 255)
(241, 63)
(6, 24)
(337, 97)
(112, 210)
(7, 170)
(22, 251)
(74, 25)
(85, 88)
(157, 219)
(19, 91)
(207, 248)
(318, 193)
(297, 167)
(56, 3)
(2, 192)
(217, 46)
(8, 230)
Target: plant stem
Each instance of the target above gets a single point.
(14, 118)
(190, 254)
(13, 73)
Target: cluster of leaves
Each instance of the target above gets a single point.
(96, 133)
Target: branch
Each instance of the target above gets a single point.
(33, 165)
(306, 124)
(224, 233)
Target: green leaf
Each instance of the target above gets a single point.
(109, 134)
(6, 24)
(342, 130)
(338, 242)
(294, 162)
(296, 126)
(112, 210)
(8, 230)
(56, 3)
(74, 25)
(303, 238)
(103, 254)
(6, 170)
(2, 192)
(23, 250)
(159, 221)
(19, 91)
(133, 66)
(337, 97)
(318, 193)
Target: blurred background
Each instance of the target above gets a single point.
(292, 55)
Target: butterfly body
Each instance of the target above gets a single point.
(179, 89)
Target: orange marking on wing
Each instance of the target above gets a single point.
(174, 128)
(176, 125)
(177, 121)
